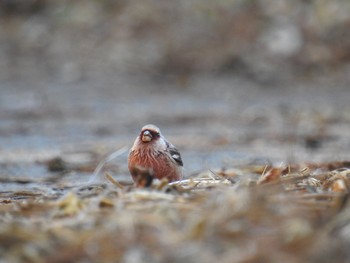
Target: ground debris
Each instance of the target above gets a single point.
(216, 215)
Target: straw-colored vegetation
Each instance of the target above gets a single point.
(246, 214)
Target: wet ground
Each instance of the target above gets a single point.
(215, 120)
(55, 207)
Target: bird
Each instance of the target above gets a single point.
(153, 155)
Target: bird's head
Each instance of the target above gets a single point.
(149, 133)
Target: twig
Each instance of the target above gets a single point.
(113, 181)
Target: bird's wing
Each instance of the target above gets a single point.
(175, 154)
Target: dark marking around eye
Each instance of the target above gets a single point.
(153, 133)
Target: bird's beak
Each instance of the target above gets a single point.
(146, 136)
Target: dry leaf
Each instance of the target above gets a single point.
(339, 186)
(273, 175)
(69, 205)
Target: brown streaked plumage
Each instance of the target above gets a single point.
(152, 152)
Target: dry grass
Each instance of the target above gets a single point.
(246, 214)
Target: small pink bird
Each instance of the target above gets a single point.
(153, 153)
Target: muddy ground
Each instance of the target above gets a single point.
(215, 120)
(228, 129)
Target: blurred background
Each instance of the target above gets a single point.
(227, 81)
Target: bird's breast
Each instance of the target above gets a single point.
(158, 162)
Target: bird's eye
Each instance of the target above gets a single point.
(151, 133)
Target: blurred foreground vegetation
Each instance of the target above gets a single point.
(250, 213)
